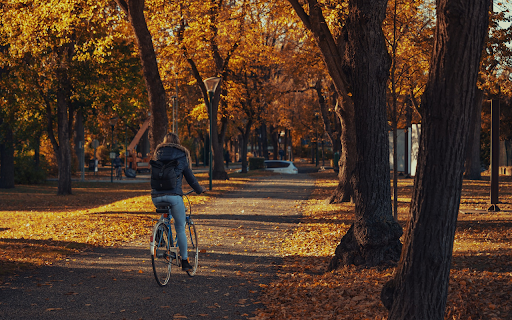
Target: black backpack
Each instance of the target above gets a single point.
(163, 176)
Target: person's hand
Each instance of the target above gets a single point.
(203, 189)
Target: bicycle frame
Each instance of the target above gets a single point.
(171, 255)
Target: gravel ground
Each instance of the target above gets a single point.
(239, 236)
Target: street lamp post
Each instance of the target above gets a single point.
(282, 139)
(113, 122)
(211, 85)
(316, 136)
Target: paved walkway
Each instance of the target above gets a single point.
(240, 233)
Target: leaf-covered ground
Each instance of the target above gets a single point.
(38, 227)
(481, 276)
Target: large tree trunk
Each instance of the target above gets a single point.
(376, 234)
(333, 130)
(6, 156)
(159, 121)
(347, 162)
(473, 166)
(62, 147)
(219, 172)
(420, 287)
(359, 68)
(63, 151)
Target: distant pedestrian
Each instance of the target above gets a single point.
(281, 153)
(117, 164)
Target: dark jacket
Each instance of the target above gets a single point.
(166, 153)
(117, 162)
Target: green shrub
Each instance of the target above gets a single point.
(26, 172)
(256, 163)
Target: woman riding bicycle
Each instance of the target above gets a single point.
(169, 150)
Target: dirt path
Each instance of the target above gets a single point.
(240, 232)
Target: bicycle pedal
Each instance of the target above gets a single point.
(173, 252)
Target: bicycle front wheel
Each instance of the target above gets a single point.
(160, 253)
(192, 247)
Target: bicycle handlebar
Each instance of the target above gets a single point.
(189, 192)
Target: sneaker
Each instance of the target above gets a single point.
(185, 266)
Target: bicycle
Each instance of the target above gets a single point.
(164, 243)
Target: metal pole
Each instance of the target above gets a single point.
(125, 149)
(495, 153)
(176, 102)
(112, 160)
(323, 160)
(82, 161)
(316, 137)
(174, 114)
(211, 139)
(316, 148)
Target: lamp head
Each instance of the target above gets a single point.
(113, 121)
(211, 84)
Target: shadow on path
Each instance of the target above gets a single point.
(240, 237)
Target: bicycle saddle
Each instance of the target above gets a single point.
(162, 207)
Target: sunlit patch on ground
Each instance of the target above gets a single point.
(38, 227)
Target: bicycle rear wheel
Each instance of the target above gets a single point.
(160, 253)
(192, 247)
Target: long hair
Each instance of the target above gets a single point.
(171, 137)
(171, 140)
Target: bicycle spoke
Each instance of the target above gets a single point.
(192, 247)
(160, 254)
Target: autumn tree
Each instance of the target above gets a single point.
(6, 148)
(62, 71)
(159, 122)
(494, 83)
(408, 33)
(208, 35)
(6, 130)
(420, 287)
(54, 52)
(358, 64)
(249, 89)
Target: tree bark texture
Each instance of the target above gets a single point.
(219, 172)
(159, 122)
(333, 130)
(376, 232)
(420, 286)
(359, 67)
(473, 166)
(62, 147)
(333, 54)
(6, 156)
(347, 162)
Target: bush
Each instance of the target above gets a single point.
(26, 172)
(256, 163)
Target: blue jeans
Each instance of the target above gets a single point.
(179, 215)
